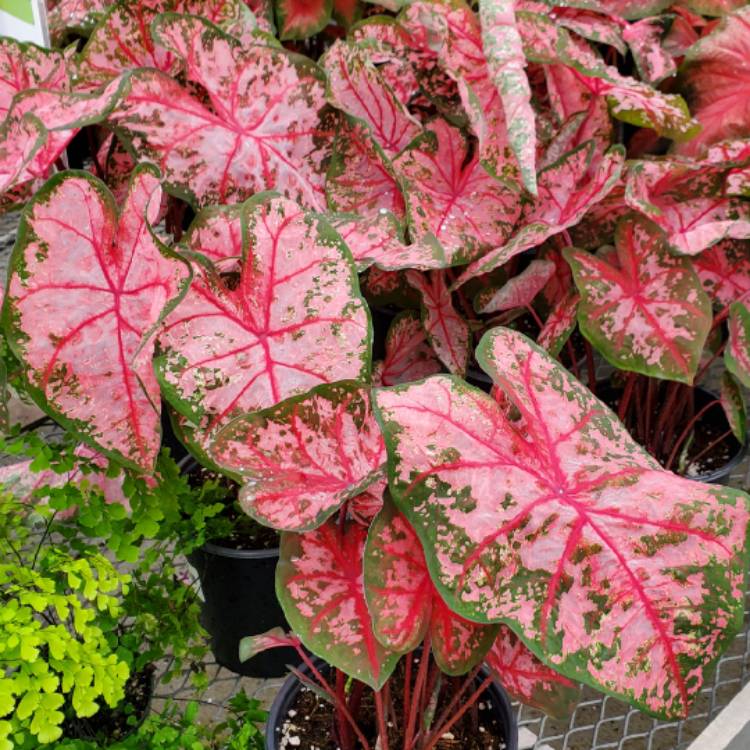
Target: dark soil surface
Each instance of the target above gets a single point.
(108, 725)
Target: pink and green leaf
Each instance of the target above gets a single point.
(518, 291)
(724, 271)
(647, 312)
(303, 458)
(20, 140)
(644, 38)
(252, 645)
(86, 288)
(737, 353)
(548, 517)
(560, 323)
(733, 402)
(299, 19)
(292, 320)
(319, 583)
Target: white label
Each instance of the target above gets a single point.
(25, 20)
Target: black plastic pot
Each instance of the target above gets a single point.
(289, 691)
(239, 596)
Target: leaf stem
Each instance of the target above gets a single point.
(688, 428)
(382, 724)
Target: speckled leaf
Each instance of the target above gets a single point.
(713, 7)
(733, 403)
(303, 458)
(452, 201)
(75, 15)
(20, 140)
(360, 177)
(737, 353)
(594, 26)
(716, 76)
(355, 86)
(724, 271)
(648, 313)
(247, 137)
(550, 518)
(688, 201)
(560, 323)
(216, 233)
(86, 286)
(404, 604)
(446, 330)
(506, 62)
(299, 19)
(408, 354)
(644, 38)
(292, 320)
(518, 291)
(567, 190)
(319, 584)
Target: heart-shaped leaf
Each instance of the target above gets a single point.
(647, 312)
(549, 517)
(293, 319)
(567, 190)
(518, 291)
(688, 201)
(408, 354)
(355, 86)
(452, 202)
(320, 588)
(737, 353)
(404, 605)
(446, 330)
(724, 271)
(247, 137)
(87, 285)
(302, 459)
(529, 680)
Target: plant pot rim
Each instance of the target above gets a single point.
(280, 705)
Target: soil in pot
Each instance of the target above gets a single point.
(307, 720)
(109, 725)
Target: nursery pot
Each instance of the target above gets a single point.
(287, 696)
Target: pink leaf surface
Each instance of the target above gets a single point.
(292, 320)
(560, 323)
(550, 518)
(216, 233)
(644, 38)
(302, 459)
(567, 190)
(252, 645)
(404, 605)
(319, 580)
(716, 76)
(506, 64)
(86, 286)
(451, 199)
(408, 354)
(74, 15)
(737, 353)
(446, 330)
(688, 201)
(646, 311)
(519, 291)
(249, 136)
(724, 271)
(529, 680)
(356, 87)
(20, 140)
(299, 19)
(360, 177)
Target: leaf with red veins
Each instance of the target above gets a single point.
(360, 176)
(597, 227)
(452, 32)
(446, 330)
(408, 354)
(216, 233)
(319, 580)
(568, 189)
(299, 19)
(403, 602)
(567, 95)
(715, 76)
(365, 506)
(303, 458)
(452, 201)
(355, 86)
(555, 522)
(250, 136)
(648, 313)
(506, 64)
(733, 402)
(20, 140)
(724, 271)
(518, 291)
(378, 240)
(86, 288)
(529, 680)
(560, 323)
(292, 320)
(644, 38)
(252, 645)
(75, 15)
(737, 353)
(26, 66)
(594, 26)
(687, 200)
